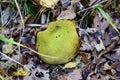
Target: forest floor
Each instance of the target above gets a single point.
(97, 23)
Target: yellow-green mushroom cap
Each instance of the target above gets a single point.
(59, 40)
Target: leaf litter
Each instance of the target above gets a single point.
(97, 58)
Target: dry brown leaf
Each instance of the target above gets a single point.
(107, 66)
(100, 23)
(70, 65)
(37, 74)
(48, 3)
(75, 75)
(100, 46)
(85, 57)
(67, 14)
(6, 15)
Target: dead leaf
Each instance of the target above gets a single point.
(37, 74)
(65, 3)
(86, 44)
(107, 66)
(118, 10)
(6, 15)
(117, 53)
(48, 3)
(70, 65)
(106, 39)
(75, 75)
(20, 72)
(100, 23)
(85, 57)
(100, 46)
(91, 30)
(98, 76)
(30, 64)
(67, 14)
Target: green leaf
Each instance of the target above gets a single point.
(2, 38)
(99, 7)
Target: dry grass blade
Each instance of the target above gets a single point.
(107, 17)
(13, 60)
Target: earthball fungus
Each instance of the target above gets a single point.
(59, 40)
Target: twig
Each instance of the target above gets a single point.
(92, 6)
(13, 60)
(21, 24)
(37, 25)
(22, 20)
(21, 17)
